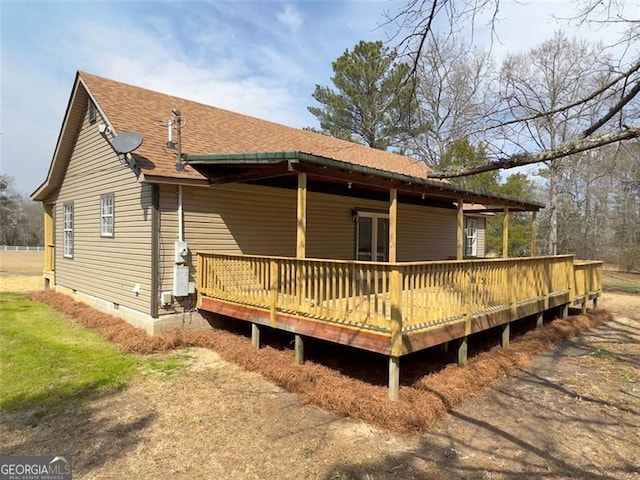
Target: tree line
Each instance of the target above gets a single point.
(567, 106)
(21, 219)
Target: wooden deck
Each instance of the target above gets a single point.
(390, 308)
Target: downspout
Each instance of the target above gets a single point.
(180, 219)
(180, 167)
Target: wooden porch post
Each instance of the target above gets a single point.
(534, 226)
(505, 233)
(48, 238)
(395, 294)
(301, 249)
(460, 231)
(301, 232)
(49, 242)
(393, 219)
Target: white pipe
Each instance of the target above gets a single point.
(180, 224)
(169, 131)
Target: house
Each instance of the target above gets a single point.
(158, 209)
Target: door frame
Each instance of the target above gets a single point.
(375, 216)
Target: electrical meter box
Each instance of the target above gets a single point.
(181, 252)
(180, 281)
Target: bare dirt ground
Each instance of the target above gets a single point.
(20, 271)
(574, 413)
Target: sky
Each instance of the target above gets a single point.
(261, 58)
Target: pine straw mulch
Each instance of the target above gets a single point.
(421, 403)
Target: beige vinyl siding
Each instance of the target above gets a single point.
(104, 267)
(257, 220)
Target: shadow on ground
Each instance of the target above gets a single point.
(76, 428)
(564, 417)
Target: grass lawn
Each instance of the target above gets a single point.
(46, 361)
(621, 281)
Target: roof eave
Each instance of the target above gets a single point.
(253, 158)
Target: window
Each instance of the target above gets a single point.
(471, 238)
(67, 239)
(107, 210)
(93, 112)
(372, 237)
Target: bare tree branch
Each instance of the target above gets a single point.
(564, 150)
(613, 110)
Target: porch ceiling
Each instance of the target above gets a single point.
(333, 176)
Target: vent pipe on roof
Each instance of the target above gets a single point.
(177, 121)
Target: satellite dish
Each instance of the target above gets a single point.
(126, 142)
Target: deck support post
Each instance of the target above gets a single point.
(255, 335)
(462, 351)
(460, 231)
(394, 378)
(506, 334)
(583, 310)
(595, 303)
(299, 350)
(534, 225)
(565, 310)
(505, 233)
(540, 320)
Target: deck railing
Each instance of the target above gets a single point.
(391, 297)
(588, 279)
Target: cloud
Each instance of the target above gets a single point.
(242, 76)
(291, 17)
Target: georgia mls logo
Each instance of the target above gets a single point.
(36, 467)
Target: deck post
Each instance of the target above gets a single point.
(460, 231)
(540, 320)
(49, 246)
(395, 297)
(393, 220)
(595, 303)
(301, 231)
(394, 378)
(505, 233)
(565, 310)
(273, 291)
(462, 351)
(534, 227)
(255, 335)
(299, 350)
(301, 248)
(506, 334)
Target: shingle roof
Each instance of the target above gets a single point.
(211, 130)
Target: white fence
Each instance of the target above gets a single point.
(7, 248)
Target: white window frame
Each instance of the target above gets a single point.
(107, 215)
(67, 230)
(471, 237)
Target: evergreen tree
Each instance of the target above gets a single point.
(372, 101)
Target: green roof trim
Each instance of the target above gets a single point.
(256, 158)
